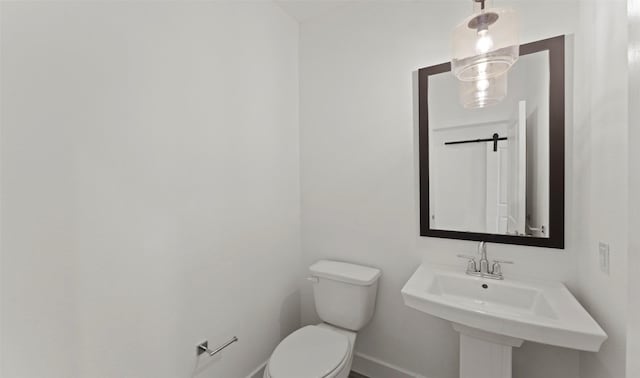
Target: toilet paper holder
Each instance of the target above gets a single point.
(203, 347)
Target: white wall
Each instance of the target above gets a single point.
(633, 332)
(150, 187)
(600, 168)
(359, 171)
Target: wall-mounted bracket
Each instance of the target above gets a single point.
(204, 347)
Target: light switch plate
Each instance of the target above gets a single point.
(603, 255)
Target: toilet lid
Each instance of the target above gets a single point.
(310, 352)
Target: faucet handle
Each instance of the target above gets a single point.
(471, 263)
(468, 257)
(496, 268)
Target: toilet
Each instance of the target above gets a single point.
(345, 296)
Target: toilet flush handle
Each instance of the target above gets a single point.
(313, 279)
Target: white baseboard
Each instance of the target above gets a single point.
(259, 372)
(375, 368)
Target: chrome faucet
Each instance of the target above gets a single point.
(482, 268)
(482, 255)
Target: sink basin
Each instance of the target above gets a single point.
(544, 312)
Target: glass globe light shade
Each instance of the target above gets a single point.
(485, 44)
(483, 92)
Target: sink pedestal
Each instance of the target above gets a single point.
(485, 354)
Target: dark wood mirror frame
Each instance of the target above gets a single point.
(555, 47)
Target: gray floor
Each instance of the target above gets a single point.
(353, 374)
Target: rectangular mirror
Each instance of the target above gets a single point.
(495, 174)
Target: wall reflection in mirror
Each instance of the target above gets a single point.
(489, 167)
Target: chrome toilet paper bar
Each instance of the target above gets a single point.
(204, 347)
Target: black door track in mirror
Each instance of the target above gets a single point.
(494, 139)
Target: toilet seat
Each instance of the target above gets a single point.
(310, 352)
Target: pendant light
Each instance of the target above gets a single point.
(485, 46)
(483, 92)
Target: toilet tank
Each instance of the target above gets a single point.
(345, 294)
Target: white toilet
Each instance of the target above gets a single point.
(345, 296)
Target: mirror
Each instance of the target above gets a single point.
(496, 173)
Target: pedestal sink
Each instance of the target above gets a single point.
(493, 316)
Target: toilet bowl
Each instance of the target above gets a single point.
(315, 351)
(344, 295)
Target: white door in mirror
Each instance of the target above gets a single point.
(517, 173)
